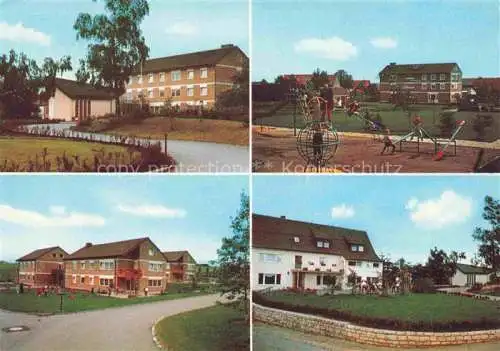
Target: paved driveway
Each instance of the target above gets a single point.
(191, 156)
(271, 338)
(125, 328)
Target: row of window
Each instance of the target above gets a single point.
(455, 77)
(429, 86)
(174, 75)
(174, 92)
(26, 263)
(360, 264)
(90, 280)
(110, 265)
(154, 282)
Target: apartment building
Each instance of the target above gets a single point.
(42, 267)
(431, 83)
(294, 254)
(124, 267)
(182, 266)
(184, 80)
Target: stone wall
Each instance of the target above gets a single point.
(380, 337)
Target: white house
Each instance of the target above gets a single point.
(467, 275)
(77, 101)
(288, 253)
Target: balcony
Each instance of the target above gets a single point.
(176, 269)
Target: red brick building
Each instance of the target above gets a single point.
(430, 83)
(182, 266)
(122, 267)
(42, 267)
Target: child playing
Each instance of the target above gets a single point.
(388, 142)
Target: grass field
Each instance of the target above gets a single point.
(8, 271)
(22, 150)
(193, 129)
(209, 329)
(396, 120)
(412, 307)
(30, 303)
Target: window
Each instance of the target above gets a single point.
(203, 90)
(54, 255)
(433, 77)
(74, 279)
(454, 86)
(162, 92)
(154, 282)
(319, 244)
(91, 280)
(352, 263)
(74, 265)
(139, 79)
(150, 93)
(176, 76)
(162, 77)
(442, 76)
(322, 261)
(375, 264)
(298, 260)
(424, 77)
(442, 86)
(393, 77)
(106, 265)
(318, 280)
(424, 86)
(176, 92)
(269, 279)
(296, 239)
(151, 78)
(82, 264)
(155, 267)
(190, 74)
(433, 86)
(455, 77)
(357, 248)
(261, 278)
(326, 244)
(190, 91)
(361, 248)
(82, 280)
(105, 282)
(323, 243)
(204, 73)
(269, 258)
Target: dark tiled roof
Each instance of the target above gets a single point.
(174, 256)
(37, 253)
(278, 233)
(419, 68)
(477, 82)
(469, 269)
(75, 90)
(108, 250)
(193, 59)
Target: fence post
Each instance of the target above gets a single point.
(165, 141)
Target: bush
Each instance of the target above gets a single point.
(447, 123)
(480, 124)
(475, 288)
(424, 285)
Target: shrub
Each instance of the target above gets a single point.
(447, 123)
(475, 288)
(480, 124)
(424, 285)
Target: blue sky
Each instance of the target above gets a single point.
(364, 36)
(43, 28)
(177, 213)
(405, 216)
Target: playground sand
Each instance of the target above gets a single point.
(278, 153)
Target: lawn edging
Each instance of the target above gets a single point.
(365, 335)
(156, 340)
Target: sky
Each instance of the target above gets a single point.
(42, 28)
(177, 212)
(404, 216)
(363, 36)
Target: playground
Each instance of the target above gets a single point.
(298, 138)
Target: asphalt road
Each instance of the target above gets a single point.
(124, 328)
(271, 338)
(191, 156)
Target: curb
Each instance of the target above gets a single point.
(153, 333)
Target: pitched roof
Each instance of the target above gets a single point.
(419, 68)
(469, 269)
(173, 256)
(108, 250)
(38, 253)
(476, 82)
(279, 233)
(75, 90)
(192, 59)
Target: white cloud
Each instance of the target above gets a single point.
(384, 43)
(57, 219)
(153, 211)
(334, 48)
(449, 208)
(342, 211)
(20, 33)
(57, 210)
(182, 28)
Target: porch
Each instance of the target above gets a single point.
(317, 279)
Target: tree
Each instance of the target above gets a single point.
(116, 47)
(233, 258)
(442, 266)
(486, 92)
(489, 238)
(447, 123)
(318, 80)
(345, 79)
(238, 95)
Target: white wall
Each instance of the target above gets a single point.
(61, 106)
(364, 269)
(460, 278)
(102, 107)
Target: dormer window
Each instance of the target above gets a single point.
(323, 244)
(357, 248)
(296, 239)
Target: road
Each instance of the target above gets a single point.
(271, 338)
(191, 156)
(124, 328)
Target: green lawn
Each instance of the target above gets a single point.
(29, 302)
(209, 329)
(396, 120)
(411, 307)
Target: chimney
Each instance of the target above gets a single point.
(88, 244)
(226, 46)
(392, 64)
(283, 217)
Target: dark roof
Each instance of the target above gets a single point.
(469, 269)
(494, 82)
(75, 90)
(114, 249)
(38, 253)
(192, 59)
(278, 233)
(173, 256)
(419, 68)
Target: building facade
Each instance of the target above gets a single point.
(73, 101)
(468, 275)
(43, 267)
(185, 80)
(436, 83)
(181, 266)
(131, 267)
(293, 254)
